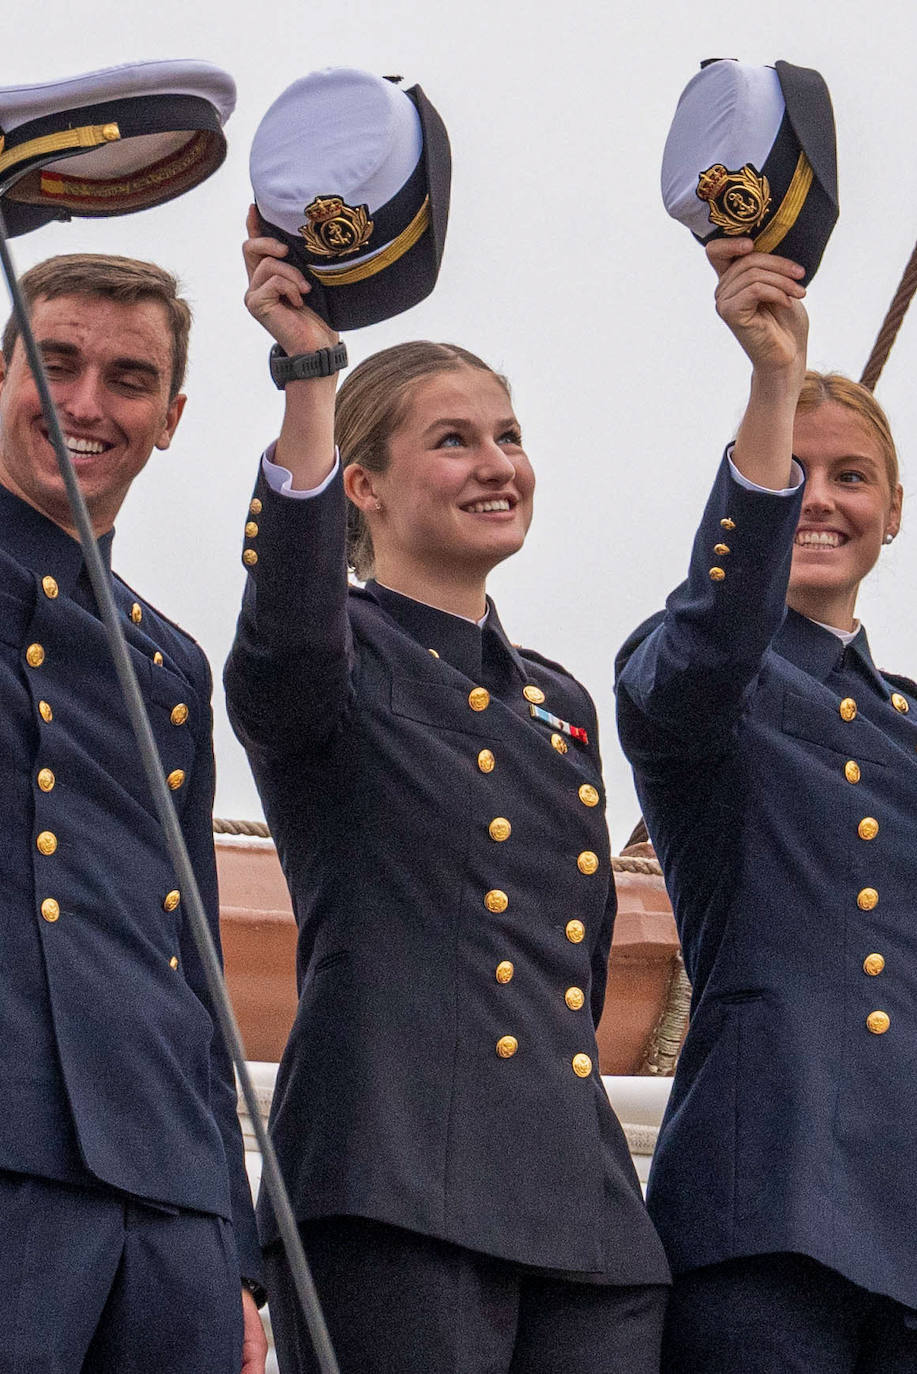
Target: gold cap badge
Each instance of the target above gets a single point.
(335, 228)
(738, 200)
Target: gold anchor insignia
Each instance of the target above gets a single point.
(335, 228)
(738, 200)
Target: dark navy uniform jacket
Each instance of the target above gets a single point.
(450, 874)
(778, 775)
(111, 1073)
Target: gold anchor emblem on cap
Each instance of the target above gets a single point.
(336, 228)
(738, 200)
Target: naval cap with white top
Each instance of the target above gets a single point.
(353, 174)
(751, 151)
(111, 141)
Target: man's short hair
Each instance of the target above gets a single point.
(126, 280)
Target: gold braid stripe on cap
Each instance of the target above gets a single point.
(789, 208)
(331, 276)
(90, 136)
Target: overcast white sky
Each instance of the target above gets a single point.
(561, 268)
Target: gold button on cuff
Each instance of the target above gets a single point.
(852, 770)
(479, 698)
(727, 524)
(136, 613)
(587, 862)
(717, 575)
(44, 710)
(45, 779)
(179, 713)
(574, 998)
(34, 655)
(575, 932)
(848, 708)
(433, 652)
(173, 962)
(588, 795)
(176, 778)
(582, 1065)
(533, 694)
(868, 899)
(251, 529)
(873, 964)
(559, 743)
(254, 506)
(721, 550)
(507, 1046)
(878, 1022)
(46, 841)
(496, 901)
(249, 558)
(900, 703)
(50, 910)
(499, 829)
(868, 828)
(49, 587)
(171, 900)
(505, 971)
(158, 659)
(486, 761)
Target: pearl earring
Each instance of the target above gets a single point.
(889, 539)
(378, 505)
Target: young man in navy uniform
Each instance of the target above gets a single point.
(125, 1216)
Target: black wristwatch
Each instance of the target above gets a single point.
(323, 363)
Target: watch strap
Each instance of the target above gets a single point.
(324, 362)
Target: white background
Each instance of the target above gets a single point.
(561, 268)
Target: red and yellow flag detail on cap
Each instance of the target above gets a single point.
(335, 228)
(564, 726)
(738, 201)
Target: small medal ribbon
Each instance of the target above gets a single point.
(564, 726)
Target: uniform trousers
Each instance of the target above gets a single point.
(401, 1303)
(96, 1283)
(783, 1314)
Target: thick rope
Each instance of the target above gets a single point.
(254, 828)
(891, 324)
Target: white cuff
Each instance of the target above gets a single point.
(280, 479)
(796, 470)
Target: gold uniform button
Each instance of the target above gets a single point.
(575, 932)
(173, 962)
(559, 743)
(249, 558)
(721, 550)
(848, 708)
(582, 1065)
(176, 778)
(136, 613)
(505, 971)
(587, 862)
(433, 652)
(588, 795)
(852, 770)
(868, 828)
(158, 659)
(179, 713)
(717, 575)
(44, 710)
(873, 964)
(496, 901)
(34, 655)
(499, 829)
(900, 703)
(171, 900)
(254, 506)
(479, 698)
(49, 587)
(878, 1022)
(727, 524)
(50, 909)
(533, 694)
(46, 842)
(507, 1046)
(111, 133)
(251, 529)
(486, 761)
(45, 779)
(867, 899)
(574, 998)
